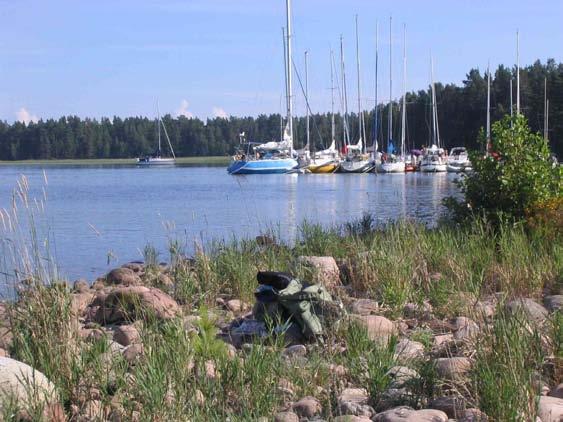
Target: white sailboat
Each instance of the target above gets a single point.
(433, 159)
(356, 160)
(156, 159)
(394, 163)
(272, 157)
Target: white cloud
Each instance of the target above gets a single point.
(219, 112)
(183, 110)
(25, 116)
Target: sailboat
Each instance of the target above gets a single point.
(433, 159)
(356, 161)
(272, 157)
(328, 160)
(396, 163)
(156, 159)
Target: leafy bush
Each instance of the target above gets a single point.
(517, 174)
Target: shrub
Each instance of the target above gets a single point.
(517, 174)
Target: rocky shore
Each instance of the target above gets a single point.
(130, 347)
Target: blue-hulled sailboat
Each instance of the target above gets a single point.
(272, 157)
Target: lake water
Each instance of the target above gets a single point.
(98, 214)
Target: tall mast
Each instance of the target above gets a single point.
(332, 134)
(360, 119)
(404, 115)
(375, 117)
(488, 105)
(435, 130)
(307, 98)
(288, 71)
(511, 102)
(390, 125)
(158, 113)
(345, 94)
(517, 72)
(545, 105)
(285, 72)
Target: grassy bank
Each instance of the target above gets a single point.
(421, 280)
(215, 160)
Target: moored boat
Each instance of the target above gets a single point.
(156, 159)
(458, 160)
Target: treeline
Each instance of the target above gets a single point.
(461, 114)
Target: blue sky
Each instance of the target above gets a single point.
(224, 57)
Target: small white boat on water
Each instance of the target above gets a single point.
(156, 159)
(458, 160)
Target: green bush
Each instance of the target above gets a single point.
(518, 173)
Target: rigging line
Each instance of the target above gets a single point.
(307, 102)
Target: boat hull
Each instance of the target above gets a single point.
(398, 167)
(155, 162)
(323, 168)
(433, 168)
(364, 166)
(267, 166)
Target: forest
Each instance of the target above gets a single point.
(461, 115)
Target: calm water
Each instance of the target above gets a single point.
(102, 211)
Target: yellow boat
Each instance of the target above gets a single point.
(323, 167)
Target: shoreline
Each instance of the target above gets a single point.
(210, 161)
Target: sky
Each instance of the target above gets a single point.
(217, 58)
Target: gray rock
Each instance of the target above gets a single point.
(354, 401)
(123, 276)
(286, 417)
(466, 328)
(378, 327)
(364, 307)
(126, 335)
(452, 368)
(307, 407)
(414, 310)
(473, 415)
(452, 406)
(25, 385)
(407, 350)
(550, 409)
(325, 271)
(554, 302)
(407, 414)
(351, 418)
(557, 391)
(295, 351)
(535, 312)
(401, 375)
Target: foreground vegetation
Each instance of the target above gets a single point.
(419, 278)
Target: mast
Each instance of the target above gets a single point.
(435, 130)
(345, 94)
(360, 117)
(511, 103)
(545, 108)
(375, 116)
(284, 73)
(390, 117)
(288, 72)
(307, 99)
(159, 122)
(404, 115)
(332, 134)
(517, 72)
(488, 106)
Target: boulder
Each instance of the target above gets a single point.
(307, 407)
(364, 307)
(452, 406)
(554, 302)
(133, 352)
(550, 409)
(442, 341)
(136, 267)
(418, 311)
(295, 351)
(123, 276)
(378, 327)
(25, 385)
(407, 414)
(465, 328)
(81, 286)
(473, 415)
(286, 417)
(452, 368)
(535, 312)
(354, 401)
(324, 268)
(351, 418)
(80, 302)
(557, 391)
(401, 376)
(235, 305)
(126, 335)
(135, 303)
(407, 350)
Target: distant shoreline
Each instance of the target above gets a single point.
(211, 160)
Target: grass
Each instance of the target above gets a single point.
(191, 375)
(209, 161)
